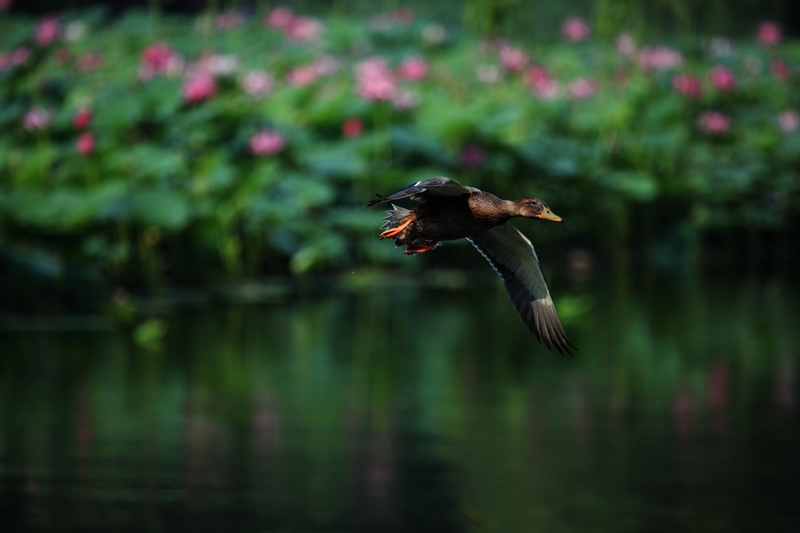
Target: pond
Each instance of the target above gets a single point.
(414, 409)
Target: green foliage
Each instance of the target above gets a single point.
(175, 183)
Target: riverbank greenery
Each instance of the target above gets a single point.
(233, 145)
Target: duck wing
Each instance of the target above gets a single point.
(427, 189)
(512, 256)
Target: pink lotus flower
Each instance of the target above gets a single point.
(722, 79)
(229, 20)
(780, 69)
(687, 85)
(279, 18)
(582, 88)
(47, 31)
(575, 29)
(403, 16)
(713, 123)
(159, 58)
(404, 100)
(302, 76)
(19, 56)
(542, 84)
(789, 121)
(15, 58)
(769, 33)
(304, 29)
(257, 83)
(82, 118)
(201, 86)
(85, 144)
(513, 59)
(659, 58)
(63, 55)
(88, 62)
(36, 119)
(375, 80)
(413, 68)
(267, 142)
(352, 127)
(472, 156)
(217, 64)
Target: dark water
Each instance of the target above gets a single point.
(414, 410)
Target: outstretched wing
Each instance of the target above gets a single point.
(511, 254)
(425, 190)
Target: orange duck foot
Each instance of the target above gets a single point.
(394, 232)
(418, 248)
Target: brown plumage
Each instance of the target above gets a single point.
(453, 211)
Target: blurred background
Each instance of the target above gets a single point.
(199, 328)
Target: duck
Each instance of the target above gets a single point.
(450, 211)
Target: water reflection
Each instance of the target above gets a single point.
(412, 410)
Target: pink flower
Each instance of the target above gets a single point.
(63, 55)
(352, 127)
(257, 83)
(582, 88)
(659, 58)
(36, 119)
(5, 5)
(48, 30)
(404, 100)
(82, 118)
(575, 29)
(542, 84)
(513, 59)
(85, 144)
(403, 16)
(20, 55)
(789, 121)
(687, 85)
(88, 62)
(413, 68)
(713, 123)
(201, 86)
(159, 58)
(229, 20)
(780, 69)
(279, 18)
(302, 76)
(722, 79)
(217, 64)
(375, 80)
(304, 29)
(266, 142)
(769, 33)
(17, 57)
(472, 156)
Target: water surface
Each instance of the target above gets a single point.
(407, 409)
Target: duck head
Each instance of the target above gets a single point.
(536, 208)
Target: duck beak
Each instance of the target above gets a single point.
(549, 215)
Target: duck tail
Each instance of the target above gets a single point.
(396, 221)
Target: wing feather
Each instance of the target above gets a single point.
(425, 190)
(512, 256)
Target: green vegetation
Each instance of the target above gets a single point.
(151, 149)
